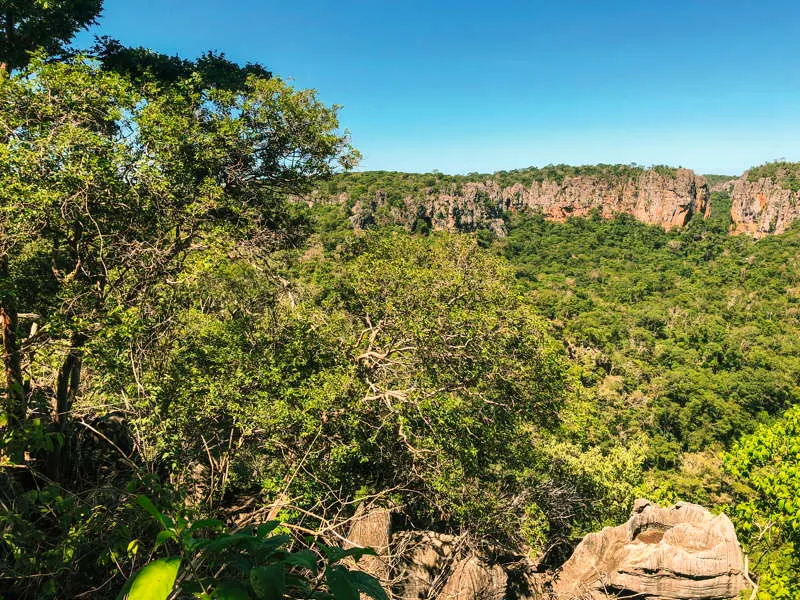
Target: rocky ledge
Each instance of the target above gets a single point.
(678, 553)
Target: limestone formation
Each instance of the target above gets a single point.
(682, 552)
(678, 553)
(762, 207)
(424, 562)
(472, 579)
(668, 200)
(372, 528)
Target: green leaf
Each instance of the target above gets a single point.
(148, 505)
(265, 529)
(268, 582)
(230, 590)
(340, 585)
(154, 581)
(214, 524)
(303, 558)
(366, 583)
(163, 536)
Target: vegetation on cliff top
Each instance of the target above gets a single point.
(784, 174)
(397, 185)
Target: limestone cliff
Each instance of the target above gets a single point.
(764, 203)
(668, 198)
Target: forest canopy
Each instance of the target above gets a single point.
(204, 376)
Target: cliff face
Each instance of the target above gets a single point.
(763, 206)
(665, 199)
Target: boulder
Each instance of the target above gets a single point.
(682, 552)
(371, 527)
(472, 579)
(424, 561)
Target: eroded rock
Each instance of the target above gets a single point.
(762, 207)
(651, 196)
(678, 553)
(372, 528)
(424, 561)
(472, 579)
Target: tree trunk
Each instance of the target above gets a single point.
(69, 380)
(16, 405)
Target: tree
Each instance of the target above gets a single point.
(767, 463)
(48, 24)
(213, 70)
(106, 191)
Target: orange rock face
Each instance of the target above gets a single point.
(651, 197)
(762, 207)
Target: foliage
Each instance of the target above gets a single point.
(106, 192)
(141, 65)
(785, 174)
(393, 363)
(256, 563)
(767, 463)
(713, 180)
(48, 24)
(174, 328)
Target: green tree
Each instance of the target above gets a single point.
(141, 65)
(767, 465)
(106, 191)
(49, 24)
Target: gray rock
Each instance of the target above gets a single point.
(678, 553)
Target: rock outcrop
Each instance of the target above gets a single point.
(424, 565)
(682, 552)
(762, 207)
(668, 199)
(678, 553)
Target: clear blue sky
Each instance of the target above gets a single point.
(713, 85)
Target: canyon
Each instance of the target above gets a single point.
(764, 200)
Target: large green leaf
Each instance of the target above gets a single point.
(268, 582)
(340, 585)
(366, 583)
(154, 581)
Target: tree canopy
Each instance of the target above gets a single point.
(49, 24)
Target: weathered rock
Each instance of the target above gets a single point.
(762, 207)
(664, 199)
(678, 553)
(372, 528)
(424, 561)
(472, 579)
(723, 186)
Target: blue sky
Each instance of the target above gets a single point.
(713, 85)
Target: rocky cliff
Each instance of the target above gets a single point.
(665, 197)
(766, 200)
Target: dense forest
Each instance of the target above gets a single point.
(205, 378)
